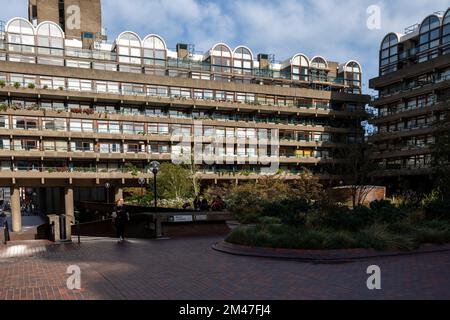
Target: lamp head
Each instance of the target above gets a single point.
(155, 166)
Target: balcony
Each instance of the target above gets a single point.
(404, 113)
(403, 132)
(91, 94)
(186, 65)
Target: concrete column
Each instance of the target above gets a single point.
(118, 194)
(69, 210)
(15, 210)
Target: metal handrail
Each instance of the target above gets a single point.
(193, 66)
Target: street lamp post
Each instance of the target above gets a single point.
(155, 166)
(107, 186)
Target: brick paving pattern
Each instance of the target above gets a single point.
(189, 269)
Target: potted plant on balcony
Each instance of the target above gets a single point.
(2, 83)
(31, 86)
(45, 87)
(17, 85)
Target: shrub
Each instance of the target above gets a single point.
(385, 211)
(334, 217)
(362, 216)
(439, 209)
(433, 234)
(339, 240)
(289, 211)
(378, 237)
(273, 197)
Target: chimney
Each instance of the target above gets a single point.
(182, 50)
(263, 61)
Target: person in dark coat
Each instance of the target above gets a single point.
(205, 205)
(4, 235)
(120, 217)
(197, 203)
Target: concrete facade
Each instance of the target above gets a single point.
(414, 93)
(74, 118)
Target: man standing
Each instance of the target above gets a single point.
(120, 219)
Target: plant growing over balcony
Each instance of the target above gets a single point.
(17, 85)
(31, 86)
(131, 168)
(2, 83)
(3, 107)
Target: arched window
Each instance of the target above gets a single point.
(20, 35)
(319, 63)
(446, 28)
(243, 61)
(129, 48)
(50, 39)
(389, 54)
(221, 59)
(155, 51)
(300, 68)
(352, 76)
(430, 33)
(318, 69)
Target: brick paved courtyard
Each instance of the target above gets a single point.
(190, 269)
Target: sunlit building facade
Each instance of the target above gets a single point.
(77, 114)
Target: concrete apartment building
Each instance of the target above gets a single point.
(414, 93)
(78, 113)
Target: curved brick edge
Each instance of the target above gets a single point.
(343, 255)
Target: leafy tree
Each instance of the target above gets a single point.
(175, 181)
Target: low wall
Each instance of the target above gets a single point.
(177, 224)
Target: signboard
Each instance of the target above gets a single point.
(182, 218)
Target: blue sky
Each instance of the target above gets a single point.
(335, 29)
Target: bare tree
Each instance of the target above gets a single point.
(355, 168)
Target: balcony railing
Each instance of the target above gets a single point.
(164, 65)
(169, 98)
(413, 86)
